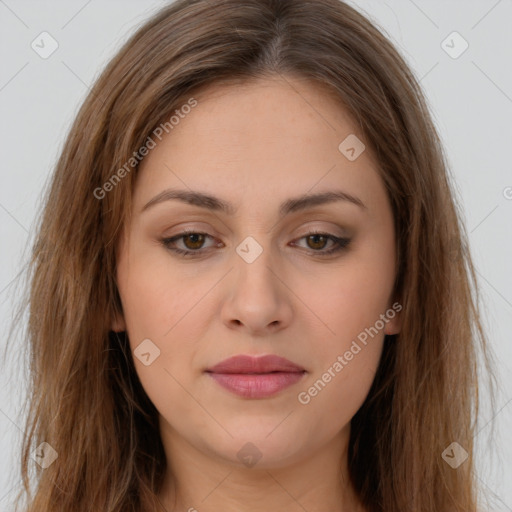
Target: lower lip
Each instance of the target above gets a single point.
(256, 385)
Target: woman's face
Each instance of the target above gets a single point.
(256, 281)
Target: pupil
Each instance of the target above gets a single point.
(315, 239)
(194, 239)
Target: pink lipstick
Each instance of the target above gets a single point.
(256, 377)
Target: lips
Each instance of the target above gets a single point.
(256, 377)
(251, 364)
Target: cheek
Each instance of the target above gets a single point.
(330, 399)
(166, 307)
(349, 304)
(346, 301)
(348, 353)
(157, 298)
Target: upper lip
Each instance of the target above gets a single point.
(251, 364)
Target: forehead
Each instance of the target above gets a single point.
(264, 107)
(265, 138)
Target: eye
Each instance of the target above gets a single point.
(317, 241)
(194, 241)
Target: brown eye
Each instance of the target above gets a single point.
(318, 241)
(193, 240)
(192, 243)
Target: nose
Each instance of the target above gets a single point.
(257, 298)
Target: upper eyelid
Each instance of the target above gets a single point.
(335, 230)
(311, 231)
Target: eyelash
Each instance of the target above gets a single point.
(340, 244)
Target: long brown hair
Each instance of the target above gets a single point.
(85, 399)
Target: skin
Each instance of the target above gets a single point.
(256, 146)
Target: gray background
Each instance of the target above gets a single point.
(470, 96)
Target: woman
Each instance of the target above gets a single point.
(251, 287)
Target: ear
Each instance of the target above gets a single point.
(394, 315)
(118, 323)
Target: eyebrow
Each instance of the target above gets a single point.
(213, 203)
